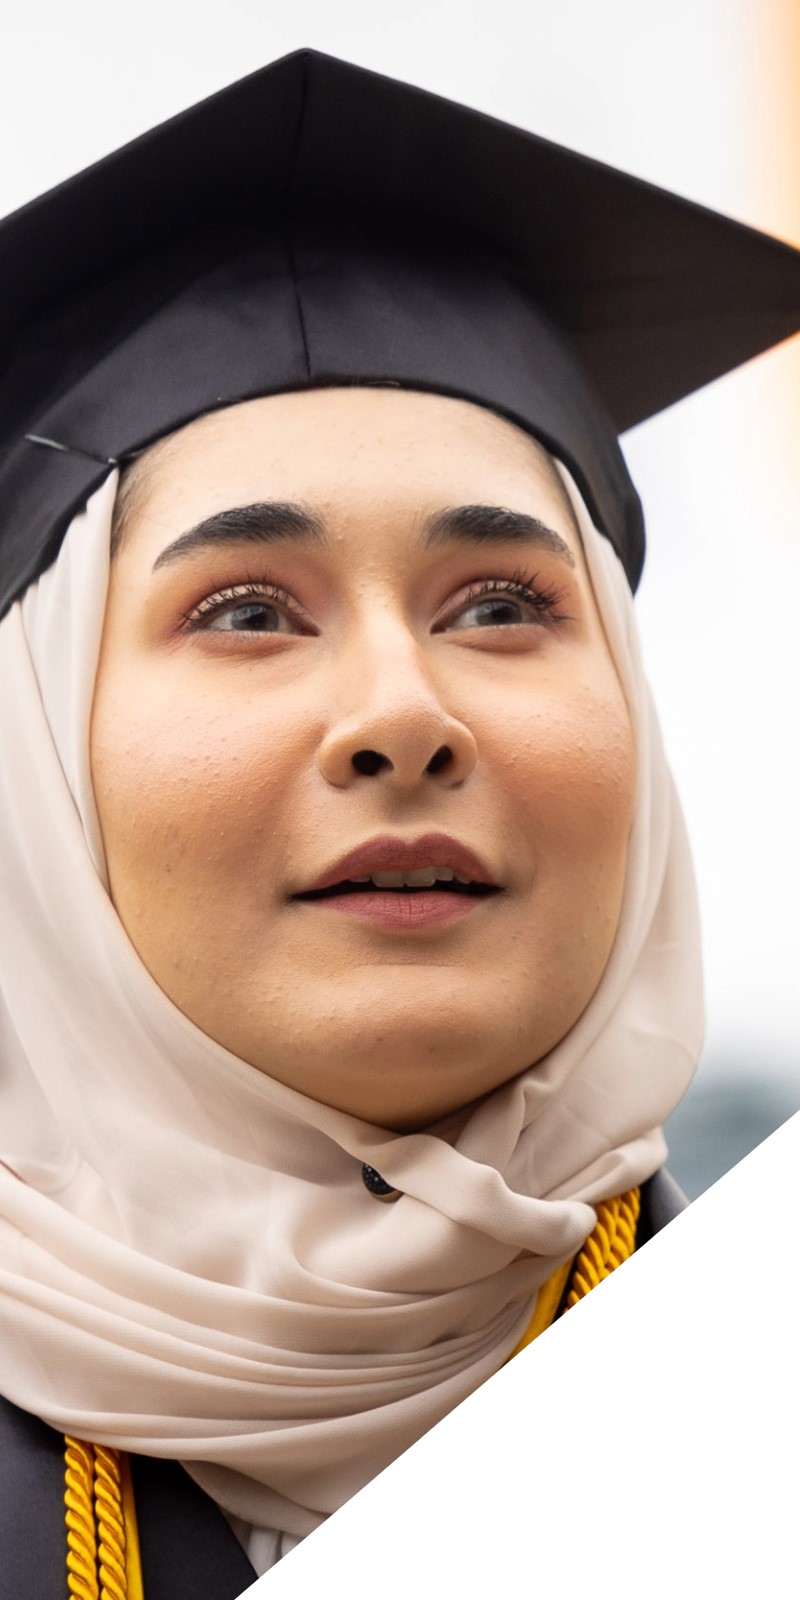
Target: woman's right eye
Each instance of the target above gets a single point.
(247, 608)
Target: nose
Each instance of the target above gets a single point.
(399, 732)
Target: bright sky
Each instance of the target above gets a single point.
(700, 96)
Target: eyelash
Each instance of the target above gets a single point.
(543, 599)
(239, 594)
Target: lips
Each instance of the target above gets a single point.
(400, 857)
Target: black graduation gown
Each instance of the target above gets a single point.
(187, 1547)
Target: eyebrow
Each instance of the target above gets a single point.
(265, 522)
(495, 525)
(270, 521)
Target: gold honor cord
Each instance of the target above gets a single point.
(610, 1243)
(102, 1538)
(103, 1561)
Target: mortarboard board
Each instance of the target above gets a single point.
(317, 223)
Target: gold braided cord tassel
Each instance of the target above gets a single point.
(611, 1242)
(81, 1538)
(102, 1541)
(110, 1524)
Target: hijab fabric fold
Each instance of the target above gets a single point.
(190, 1265)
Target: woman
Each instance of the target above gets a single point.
(353, 960)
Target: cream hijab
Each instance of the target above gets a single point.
(190, 1265)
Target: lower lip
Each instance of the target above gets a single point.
(403, 912)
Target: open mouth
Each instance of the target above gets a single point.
(408, 901)
(403, 885)
(368, 886)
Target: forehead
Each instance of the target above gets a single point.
(342, 453)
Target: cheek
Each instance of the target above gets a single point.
(570, 773)
(188, 785)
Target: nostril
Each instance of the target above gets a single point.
(368, 762)
(440, 758)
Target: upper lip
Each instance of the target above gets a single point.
(400, 855)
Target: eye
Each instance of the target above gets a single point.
(251, 607)
(504, 603)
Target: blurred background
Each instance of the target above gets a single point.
(703, 97)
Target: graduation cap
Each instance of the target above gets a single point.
(320, 224)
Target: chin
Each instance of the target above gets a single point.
(401, 1073)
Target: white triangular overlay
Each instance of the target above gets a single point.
(645, 1446)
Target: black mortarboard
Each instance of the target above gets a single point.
(319, 224)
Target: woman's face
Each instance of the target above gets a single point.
(359, 620)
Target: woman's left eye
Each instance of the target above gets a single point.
(505, 603)
(247, 608)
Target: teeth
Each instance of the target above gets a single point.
(424, 878)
